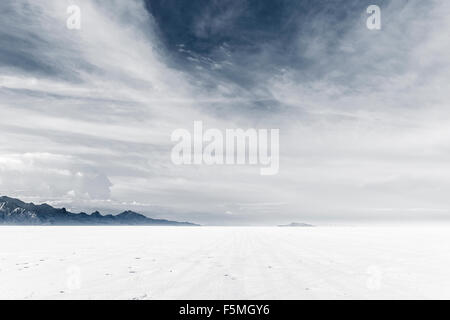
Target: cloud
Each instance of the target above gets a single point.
(52, 176)
(86, 115)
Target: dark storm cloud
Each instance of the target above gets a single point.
(246, 42)
(203, 27)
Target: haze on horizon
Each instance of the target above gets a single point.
(86, 115)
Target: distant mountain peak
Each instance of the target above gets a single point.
(16, 212)
(96, 214)
(130, 213)
(11, 200)
(296, 224)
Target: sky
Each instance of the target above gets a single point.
(86, 115)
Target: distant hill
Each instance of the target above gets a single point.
(296, 224)
(16, 212)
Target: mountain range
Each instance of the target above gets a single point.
(16, 212)
(296, 224)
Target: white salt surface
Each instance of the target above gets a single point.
(224, 262)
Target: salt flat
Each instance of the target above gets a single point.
(224, 262)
